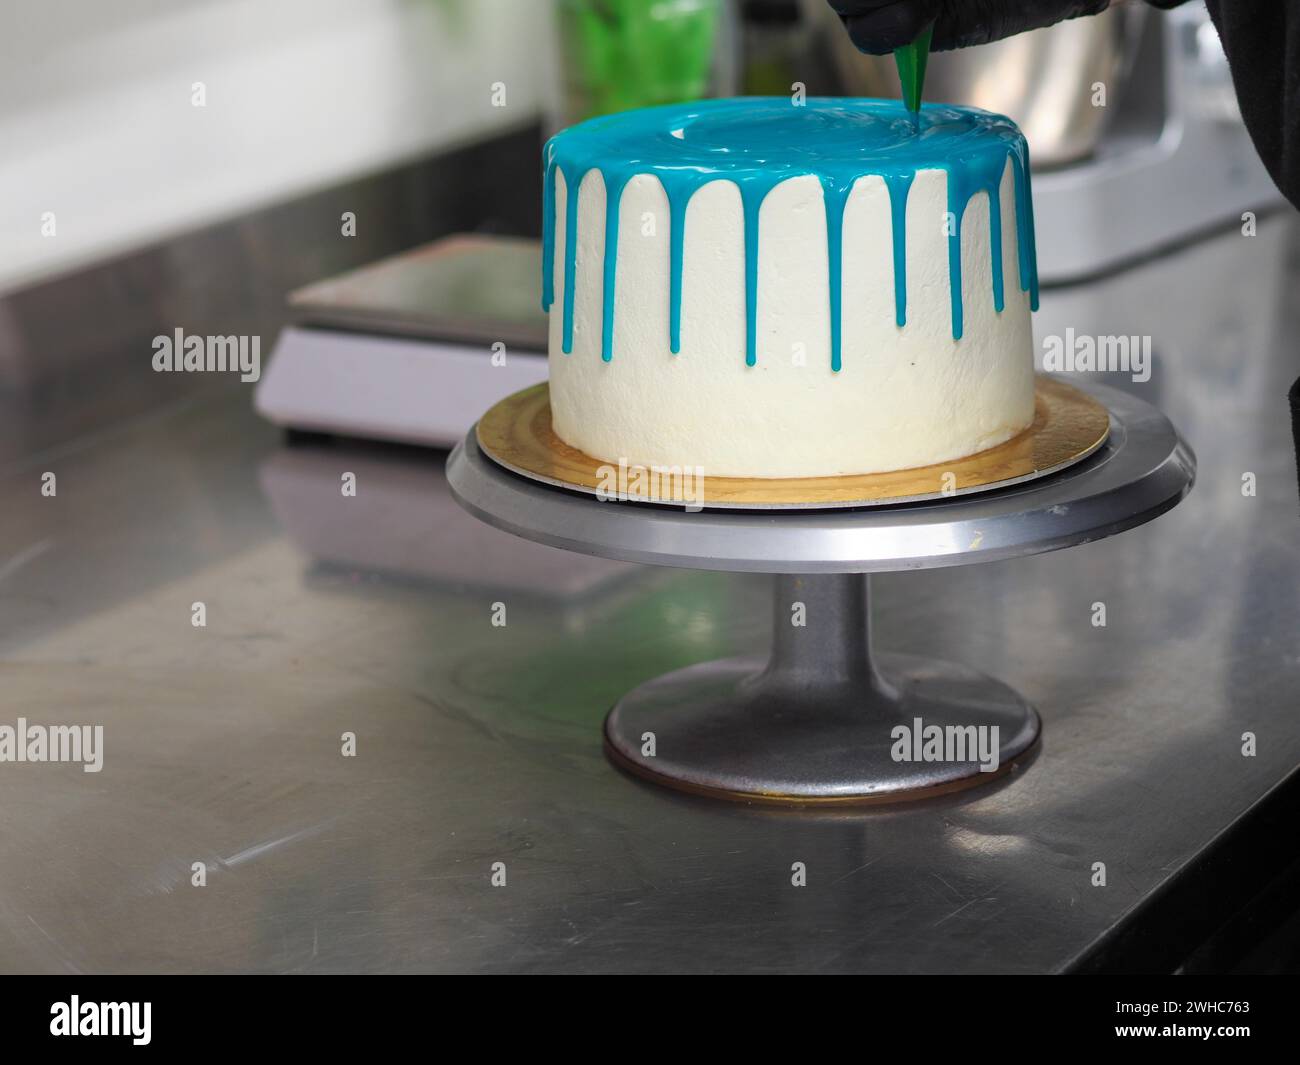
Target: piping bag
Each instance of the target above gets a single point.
(911, 60)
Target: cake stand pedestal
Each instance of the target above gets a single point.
(826, 719)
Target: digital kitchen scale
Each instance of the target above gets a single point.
(411, 348)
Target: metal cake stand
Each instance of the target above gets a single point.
(820, 720)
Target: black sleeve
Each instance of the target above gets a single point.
(1294, 397)
(1262, 41)
(1295, 419)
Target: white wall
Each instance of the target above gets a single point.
(97, 124)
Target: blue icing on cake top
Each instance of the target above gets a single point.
(758, 142)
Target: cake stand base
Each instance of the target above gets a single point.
(825, 720)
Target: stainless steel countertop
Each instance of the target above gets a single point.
(479, 744)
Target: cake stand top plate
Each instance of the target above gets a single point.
(1143, 469)
(1068, 426)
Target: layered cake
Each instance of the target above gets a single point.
(759, 288)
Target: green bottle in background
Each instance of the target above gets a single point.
(621, 54)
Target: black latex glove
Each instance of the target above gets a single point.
(880, 26)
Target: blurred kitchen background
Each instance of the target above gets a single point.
(129, 212)
(190, 163)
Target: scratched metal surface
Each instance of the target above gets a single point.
(478, 744)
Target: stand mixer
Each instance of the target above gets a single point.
(1132, 122)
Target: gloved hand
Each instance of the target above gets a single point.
(880, 26)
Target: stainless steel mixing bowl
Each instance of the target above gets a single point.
(1043, 80)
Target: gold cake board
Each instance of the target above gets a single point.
(1068, 426)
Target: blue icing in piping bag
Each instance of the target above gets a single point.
(759, 142)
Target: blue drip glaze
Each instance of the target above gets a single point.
(757, 143)
(956, 209)
(1031, 251)
(899, 186)
(548, 226)
(752, 193)
(980, 173)
(995, 233)
(571, 187)
(678, 198)
(1028, 253)
(613, 196)
(835, 196)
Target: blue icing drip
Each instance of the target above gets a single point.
(572, 182)
(753, 189)
(613, 196)
(1031, 253)
(757, 143)
(956, 208)
(1022, 233)
(995, 235)
(979, 173)
(835, 197)
(548, 228)
(899, 185)
(679, 195)
(1028, 254)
